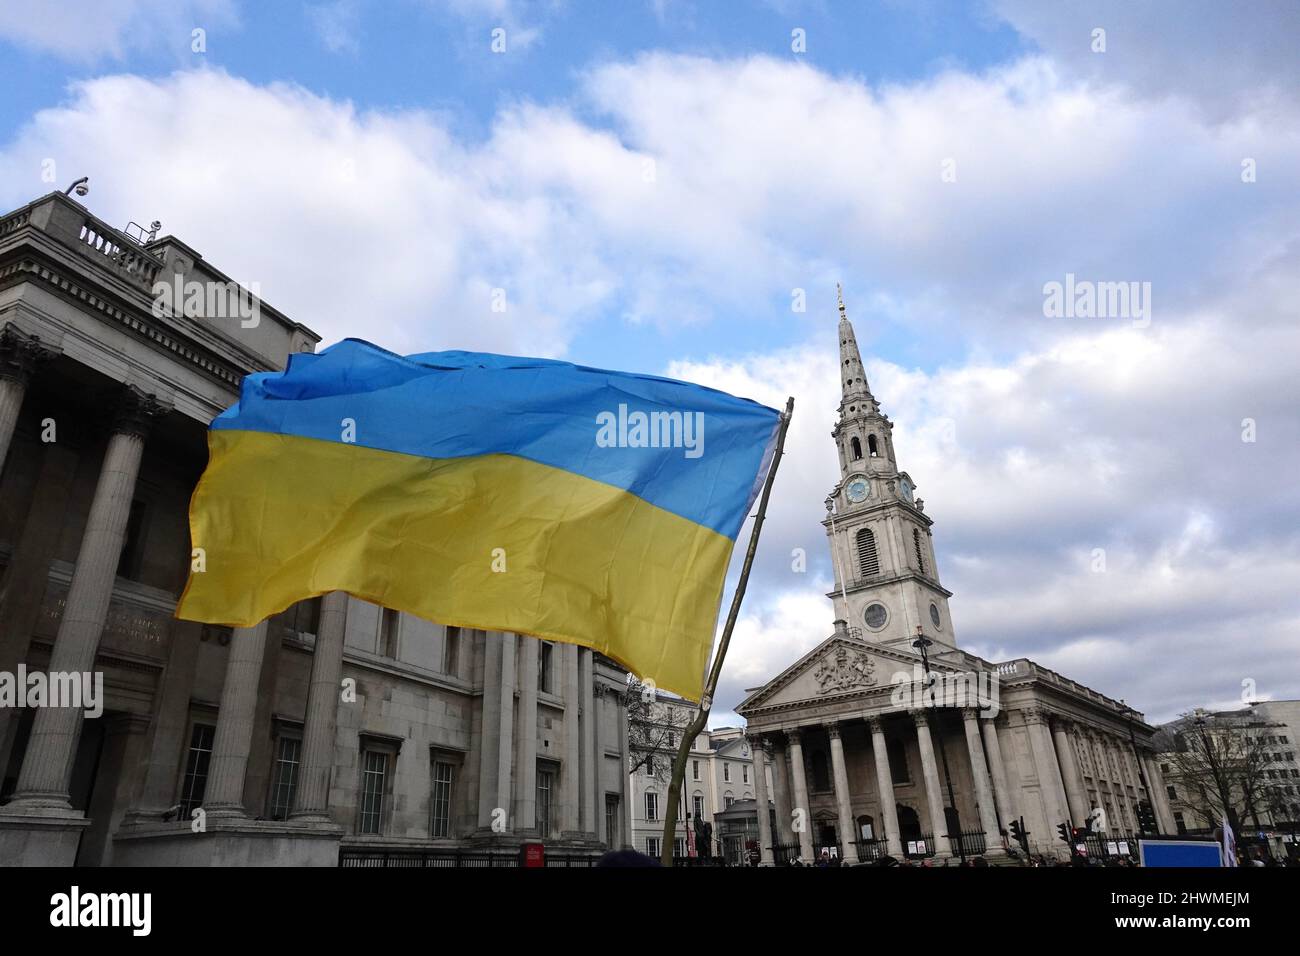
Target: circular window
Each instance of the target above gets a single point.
(934, 615)
(875, 616)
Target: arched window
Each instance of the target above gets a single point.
(868, 560)
(871, 446)
(857, 449)
(920, 553)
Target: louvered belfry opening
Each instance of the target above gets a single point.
(920, 554)
(868, 560)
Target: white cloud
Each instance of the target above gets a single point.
(89, 30)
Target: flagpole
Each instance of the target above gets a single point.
(711, 684)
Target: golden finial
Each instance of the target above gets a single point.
(839, 295)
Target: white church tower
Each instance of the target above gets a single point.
(887, 582)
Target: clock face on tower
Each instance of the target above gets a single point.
(858, 490)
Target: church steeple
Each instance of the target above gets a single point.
(887, 584)
(862, 432)
(853, 378)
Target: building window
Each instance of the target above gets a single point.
(821, 774)
(679, 847)
(857, 449)
(868, 560)
(652, 806)
(695, 770)
(388, 633)
(744, 773)
(451, 651)
(611, 820)
(544, 661)
(545, 789)
(920, 555)
(196, 768)
(726, 771)
(652, 847)
(284, 777)
(650, 765)
(1179, 824)
(697, 805)
(444, 774)
(898, 768)
(872, 449)
(374, 780)
(727, 801)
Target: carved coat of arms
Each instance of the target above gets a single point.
(844, 670)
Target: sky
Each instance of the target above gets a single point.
(676, 186)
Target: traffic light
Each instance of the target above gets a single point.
(1146, 818)
(1015, 830)
(1020, 834)
(1063, 831)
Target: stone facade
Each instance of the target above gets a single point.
(334, 724)
(868, 755)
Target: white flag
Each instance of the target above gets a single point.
(1229, 844)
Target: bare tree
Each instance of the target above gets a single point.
(654, 729)
(1219, 765)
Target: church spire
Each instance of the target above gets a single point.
(853, 378)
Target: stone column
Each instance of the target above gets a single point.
(586, 771)
(933, 791)
(224, 795)
(311, 796)
(505, 725)
(570, 781)
(1126, 801)
(1105, 784)
(1049, 777)
(1159, 796)
(598, 691)
(843, 799)
(526, 743)
(801, 807)
(885, 789)
(490, 710)
(171, 721)
(758, 747)
(781, 792)
(1007, 802)
(44, 779)
(20, 356)
(1076, 797)
(983, 789)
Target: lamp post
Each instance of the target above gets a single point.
(922, 643)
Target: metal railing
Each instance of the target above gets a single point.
(452, 858)
(972, 843)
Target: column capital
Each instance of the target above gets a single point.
(21, 355)
(877, 723)
(136, 412)
(833, 728)
(969, 714)
(757, 742)
(794, 736)
(1034, 715)
(920, 717)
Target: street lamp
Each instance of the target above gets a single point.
(80, 186)
(922, 643)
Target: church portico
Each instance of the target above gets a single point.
(886, 737)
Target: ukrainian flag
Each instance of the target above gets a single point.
(510, 494)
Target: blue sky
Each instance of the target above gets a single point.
(653, 184)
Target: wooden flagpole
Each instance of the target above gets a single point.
(711, 684)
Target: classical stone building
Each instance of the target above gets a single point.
(867, 757)
(336, 727)
(719, 773)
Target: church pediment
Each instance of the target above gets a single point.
(837, 666)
